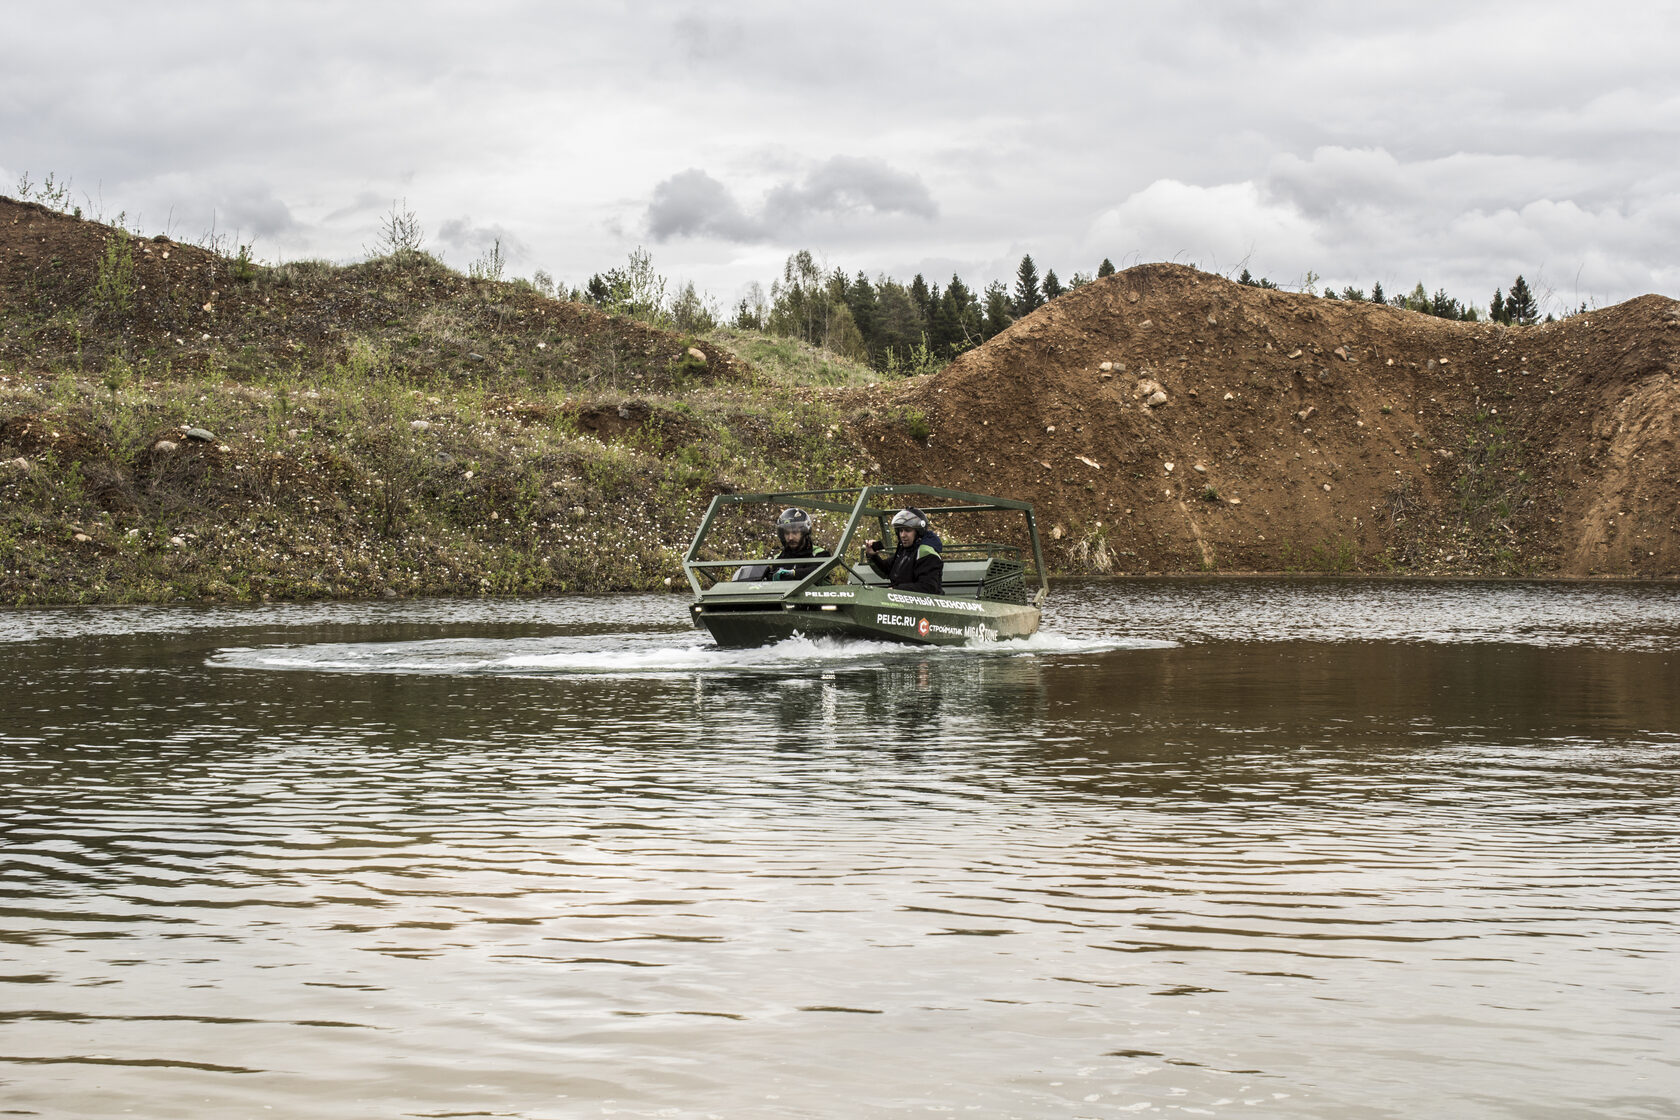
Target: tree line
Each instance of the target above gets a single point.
(1518, 307)
(890, 325)
(901, 328)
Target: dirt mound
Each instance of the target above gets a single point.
(1164, 419)
(89, 295)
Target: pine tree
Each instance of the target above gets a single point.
(996, 312)
(1377, 292)
(1028, 298)
(967, 317)
(1496, 309)
(1052, 286)
(1520, 305)
(899, 326)
(920, 296)
(955, 323)
(748, 316)
(860, 301)
(1105, 269)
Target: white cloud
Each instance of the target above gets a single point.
(1216, 228)
(471, 240)
(1465, 222)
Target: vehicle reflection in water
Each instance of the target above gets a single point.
(1282, 850)
(902, 704)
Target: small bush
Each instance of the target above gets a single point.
(686, 366)
(916, 424)
(242, 269)
(1335, 555)
(1091, 551)
(490, 264)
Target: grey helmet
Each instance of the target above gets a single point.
(910, 518)
(793, 520)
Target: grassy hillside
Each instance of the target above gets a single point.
(387, 428)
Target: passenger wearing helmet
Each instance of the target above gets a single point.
(793, 529)
(916, 564)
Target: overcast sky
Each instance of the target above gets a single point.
(1448, 143)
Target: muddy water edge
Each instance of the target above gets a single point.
(1227, 848)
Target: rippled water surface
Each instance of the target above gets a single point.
(1213, 848)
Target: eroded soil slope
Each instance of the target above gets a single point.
(1289, 432)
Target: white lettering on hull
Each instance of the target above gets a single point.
(930, 601)
(976, 631)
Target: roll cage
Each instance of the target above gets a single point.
(863, 506)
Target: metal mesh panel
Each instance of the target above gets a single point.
(1004, 582)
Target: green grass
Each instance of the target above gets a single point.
(397, 490)
(416, 440)
(788, 361)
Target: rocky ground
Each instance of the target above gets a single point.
(179, 424)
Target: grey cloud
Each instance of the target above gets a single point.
(1336, 183)
(259, 213)
(1448, 145)
(361, 204)
(461, 235)
(706, 37)
(1335, 180)
(694, 204)
(846, 183)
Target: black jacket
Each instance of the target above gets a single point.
(917, 568)
(780, 567)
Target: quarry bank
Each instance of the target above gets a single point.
(207, 428)
(1167, 420)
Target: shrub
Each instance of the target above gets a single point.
(916, 424)
(113, 285)
(399, 232)
(490, 264)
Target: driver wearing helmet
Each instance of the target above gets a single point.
(793, 529)
(916, 564)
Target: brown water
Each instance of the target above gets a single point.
(1211, 848)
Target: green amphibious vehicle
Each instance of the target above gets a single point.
(989, 592)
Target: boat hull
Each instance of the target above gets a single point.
(747, 616)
